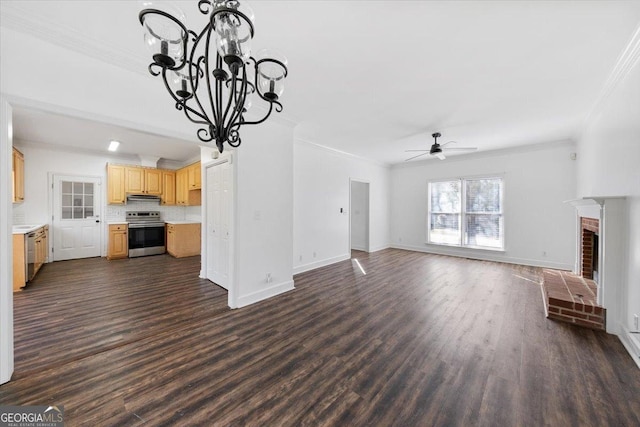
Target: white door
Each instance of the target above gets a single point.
(219, 223)
(76, 217)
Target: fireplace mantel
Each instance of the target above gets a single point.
(590, 201)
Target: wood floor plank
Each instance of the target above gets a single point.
(418, 340)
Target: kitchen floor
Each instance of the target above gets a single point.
(77, 308)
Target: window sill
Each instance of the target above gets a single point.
(475, 248)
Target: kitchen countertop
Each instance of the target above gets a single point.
(27, 228)
(117, 223)
(182, 222)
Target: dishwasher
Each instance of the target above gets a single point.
(31, 255)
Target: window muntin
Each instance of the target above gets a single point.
(77, 200)
(466, 212)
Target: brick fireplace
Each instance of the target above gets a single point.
(589, 237)
(573, 297)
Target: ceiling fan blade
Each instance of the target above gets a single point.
(415, 157)
(440, 156)
(461, 148)
(448, 142)
(406, 151)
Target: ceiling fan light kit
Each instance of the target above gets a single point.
(208, 74)
(436, 149)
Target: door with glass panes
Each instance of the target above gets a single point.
(76, 217)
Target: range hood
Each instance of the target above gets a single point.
(142, 198)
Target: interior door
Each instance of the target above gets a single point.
(76, 217)
(218, 223)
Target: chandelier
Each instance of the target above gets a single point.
(208, 74)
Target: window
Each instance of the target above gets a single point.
(466, 212)
(77, 200)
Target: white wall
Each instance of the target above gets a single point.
(321, 180)
(6, 244)
(359, 213)
(539, 227)
(609, 165)
(264, 201)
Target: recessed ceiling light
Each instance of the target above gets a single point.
(113, 146)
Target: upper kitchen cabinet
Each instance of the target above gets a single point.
(115, 184)
(185, 196)
(140, 180)
(168, 196)
(18, 176)
(194, 176)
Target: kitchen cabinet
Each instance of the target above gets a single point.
(115, 184)
(168, 196)
(183, 239)
(184, 195)
(19, 262)
(118, 241)
(138, 180)
(24, 254)
(41, 248)
(194, 175)
(18, 176)
(133, 180)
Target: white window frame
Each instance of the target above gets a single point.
(463, 212)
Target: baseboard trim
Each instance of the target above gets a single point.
(631, 342)
(489, 256)
(322, 263)
(264, 294)
(379, 248)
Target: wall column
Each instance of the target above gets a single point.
(6, 243)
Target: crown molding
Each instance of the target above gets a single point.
(627, 60)
(19, 19)
(298, 140)
(519, 149)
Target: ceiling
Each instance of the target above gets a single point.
(375, 78)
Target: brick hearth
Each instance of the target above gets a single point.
(571, 298)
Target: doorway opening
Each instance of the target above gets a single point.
(359, 216)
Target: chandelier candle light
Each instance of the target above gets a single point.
(217, 61)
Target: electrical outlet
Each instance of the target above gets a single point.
(300, 257)
(268, 277)
(314, 254)
(635, 321)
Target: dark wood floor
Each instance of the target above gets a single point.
(419, 340)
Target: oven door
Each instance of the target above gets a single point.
(146, 240)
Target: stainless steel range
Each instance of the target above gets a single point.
(146, 233)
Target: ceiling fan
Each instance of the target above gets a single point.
(437, 149)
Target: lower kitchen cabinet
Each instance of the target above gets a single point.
(30, 253)
(118, 241)
(19, 262)
(41, 248)
(183, 239)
